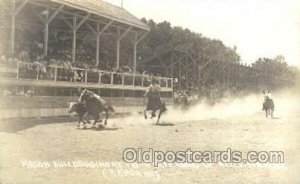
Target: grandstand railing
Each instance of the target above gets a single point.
(80, 75)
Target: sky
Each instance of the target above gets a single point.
(259, 28)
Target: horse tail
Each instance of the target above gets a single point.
(163, 106)
(272, 104)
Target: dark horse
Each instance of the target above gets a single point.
(268, 106)
(182, 101)
(154, 104)
(80, 110)
(95, 106)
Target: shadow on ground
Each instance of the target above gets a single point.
(16, 125)
(164, 124)
(95, 128)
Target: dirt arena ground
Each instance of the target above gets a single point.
(237, 124)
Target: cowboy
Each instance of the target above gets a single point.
(267, 95)
(81, 92)
(153, 89)
(153, 94)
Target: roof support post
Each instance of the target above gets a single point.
(47, 21)
(164, 65)
(172, 67)
(134, 52)
(136, 42)
(97, 45)
(46, 34)
(75, 27)
(125, 33)
(179, 77)
(186, 72)
(119, 38)
(13, 22)
(15, 12)
(118, 49)
(74, 39)
(98, 33)
(204, 65)
(106, 27)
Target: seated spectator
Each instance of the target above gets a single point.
(2, 59)
(24, 55)
(78, 76)
(29, 92)
(6, 92)
(21, 92)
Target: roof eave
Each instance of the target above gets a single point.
(146, 27)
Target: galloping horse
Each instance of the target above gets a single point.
(154, 104)
(95, 106)
(268, 105)
(181, 100)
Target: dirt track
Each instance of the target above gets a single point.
(56, 139)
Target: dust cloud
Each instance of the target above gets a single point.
(286, 104)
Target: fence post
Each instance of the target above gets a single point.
(112, 78)
(123, 76)
(167, 83)
(18, 68)
(99, 77)
(86, 75)
(55, 74)
(133, 80)
(143, 81)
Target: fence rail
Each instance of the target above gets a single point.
(86, 76)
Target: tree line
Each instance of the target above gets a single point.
(268, 73)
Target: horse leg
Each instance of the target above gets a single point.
(161, 111)
(106, 117)
(96, 119)
(272, 114)
(145, 114)
(87, 118)
(158, 118)
(83, 119)
(153, 113)
(79, 121)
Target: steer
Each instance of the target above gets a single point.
(80, 110)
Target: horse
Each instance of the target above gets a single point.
(95, 106)
(268, 106)
(80, 110)
(154, 104)
(182, 101)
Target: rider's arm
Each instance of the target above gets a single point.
(81, 94)
(158, 90)
(146, 93)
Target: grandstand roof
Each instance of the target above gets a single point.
(106, 10)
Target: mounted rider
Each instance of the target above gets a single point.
(81, 92)
(153, 94)
(267, 96)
